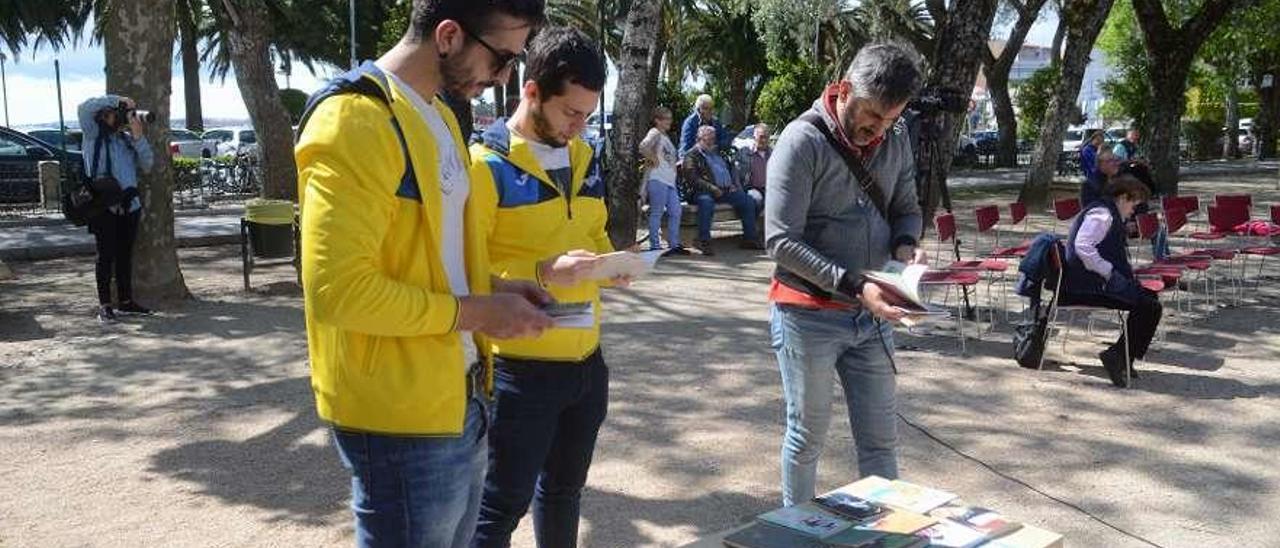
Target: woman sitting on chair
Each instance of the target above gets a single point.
(1098, 273)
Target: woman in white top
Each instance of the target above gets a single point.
(660, 160)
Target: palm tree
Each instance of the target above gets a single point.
(25, 23)
(722, 36)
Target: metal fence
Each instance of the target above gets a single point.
(197, 184)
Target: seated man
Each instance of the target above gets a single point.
(712, 181)
(1097, 272)
(752, 161)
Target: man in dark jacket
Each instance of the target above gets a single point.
(713, 182)
(824, 230)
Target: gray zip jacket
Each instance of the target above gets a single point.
(818, 222)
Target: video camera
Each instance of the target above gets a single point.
(932, 100)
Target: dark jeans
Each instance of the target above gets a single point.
(114, 236)
(416, 491)
(743, 204)
(546, 417)
(1144, 316)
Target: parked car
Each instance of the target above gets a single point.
(186, 144)
(745, 137)
(20, 156)
(987, 142)
(54, 137)
(233, 140)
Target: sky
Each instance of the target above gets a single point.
(31, 92)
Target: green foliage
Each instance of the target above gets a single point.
(1034, 95)
(186, 173)
(1202, 137)
(1126, 92)
(295, 101)
(791, 91)
(395, 26)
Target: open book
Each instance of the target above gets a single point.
(903, 282)
(572, 315)
(625, 263)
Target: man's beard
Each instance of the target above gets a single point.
(455, 82)
(543, 130)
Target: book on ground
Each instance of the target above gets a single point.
(807, 519)
(763, 535)
(950, 534)
(625, 263)
(899, 521)
(849, 506)
(986, 521)
(898, 493)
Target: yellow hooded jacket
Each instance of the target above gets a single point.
(528, 219)
(386, 356)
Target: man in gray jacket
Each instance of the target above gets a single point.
(824, 231)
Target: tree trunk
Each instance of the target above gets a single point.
(737, 103)
(137, 37)
(1059, 34)
(655, 61)
(1170, 52)
(961, 44)
(1084, 20)
(188, 40)
(630, 119)
(997, 71)
(1264, 124)
(249, 36)
(1231, 139)
(1006, 120)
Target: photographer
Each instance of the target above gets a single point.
(115, 150)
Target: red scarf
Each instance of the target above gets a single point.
(829, 102)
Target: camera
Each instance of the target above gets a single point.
(124, 114)
(933, 100)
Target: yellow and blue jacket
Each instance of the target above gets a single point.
(386, 355)
(528, 219)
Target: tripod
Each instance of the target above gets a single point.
(926, 130)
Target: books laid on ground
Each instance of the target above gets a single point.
(625, 263)
(806, 519)
(766, 535)
(983, 520)
(907, 496)
(902, 281)
(571, 315)
(849, 507)
(950, 534)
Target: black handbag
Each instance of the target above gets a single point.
(94, 194)
(1029, 339)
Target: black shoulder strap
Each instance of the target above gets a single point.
(97, 155)
(367, 80)
(865, 181)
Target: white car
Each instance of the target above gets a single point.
(233, 140)
(186, 144)
(745, 137)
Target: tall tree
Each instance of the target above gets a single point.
(721, 33)
(1083, 20)
(188, 13)
(996, 68)
(249, 34)
(138, 37)
(630, 120)
(1171, 47)
(961, 32)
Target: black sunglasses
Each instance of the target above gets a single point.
(504, 59)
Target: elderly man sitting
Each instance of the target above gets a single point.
(713, 182)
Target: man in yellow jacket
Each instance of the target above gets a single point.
(395, 273)
(539, 198)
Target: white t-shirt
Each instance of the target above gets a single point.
(455, 186)
(665, 171)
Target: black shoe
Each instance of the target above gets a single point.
(704, 246)
(1113, 362)
(677, 250)
(130, 307)
(106, 314)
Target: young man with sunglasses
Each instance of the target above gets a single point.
(541, 202)
(395, 273)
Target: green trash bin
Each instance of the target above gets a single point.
(267, 231)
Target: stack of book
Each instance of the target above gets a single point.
(875, 513)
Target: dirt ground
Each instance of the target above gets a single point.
(196, 427)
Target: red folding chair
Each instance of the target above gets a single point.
(1057, 270)
(1064, 210)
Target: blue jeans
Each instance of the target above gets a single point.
(663, 198)
(809, 345)
(743, 204)
(546, 417)
(416, 491)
